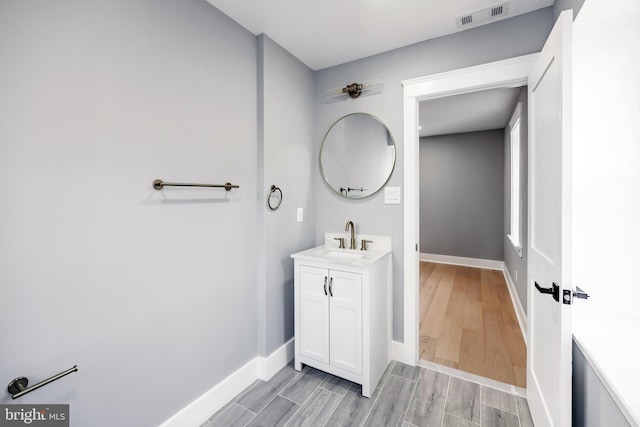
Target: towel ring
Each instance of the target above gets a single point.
(272, 195)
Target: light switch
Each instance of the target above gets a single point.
(299, 214)
(392, 196)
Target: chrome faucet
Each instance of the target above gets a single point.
(352, 244)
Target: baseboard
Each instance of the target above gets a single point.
(269, 366)
(520, 314)
(201, 409)
(466, 262)
(399, 351)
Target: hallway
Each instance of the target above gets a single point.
(467, 322)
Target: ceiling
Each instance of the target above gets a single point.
(469, 112)
(324, 33)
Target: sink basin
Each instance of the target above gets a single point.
(330, 253)
(341, 254)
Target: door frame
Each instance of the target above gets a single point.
(508, 73)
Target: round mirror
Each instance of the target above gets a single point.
(357, 156)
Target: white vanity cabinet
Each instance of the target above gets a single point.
(330, 317)
(341, 310)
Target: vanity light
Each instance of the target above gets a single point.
(353, 90)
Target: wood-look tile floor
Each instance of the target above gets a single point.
(406, 397)
(467, 322)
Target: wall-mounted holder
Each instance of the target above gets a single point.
(18, 387)
(159, 184)
(275, 198)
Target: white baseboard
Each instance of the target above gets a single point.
(269, 366)
(399, 352)
(520, 314)
(458, 260)
(201, 409)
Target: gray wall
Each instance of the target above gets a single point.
(560, 5)
(516, 265)
(512, 37)
(285, 153)
(462, 194)
(593, 406)
(152, 294)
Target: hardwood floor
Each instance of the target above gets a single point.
(467, 322)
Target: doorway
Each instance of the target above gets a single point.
(502, 74)
(467, 319)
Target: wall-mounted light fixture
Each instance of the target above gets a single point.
(353, 90)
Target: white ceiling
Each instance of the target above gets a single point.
(469, 112)
(323, 33)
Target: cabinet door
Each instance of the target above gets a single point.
(314, 313)
(346, 320)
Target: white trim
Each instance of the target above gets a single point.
(396, 352)
(516, 245)
(512, 72)
(201, 409)
(269, 366)
(516, 116)
(517, 305)
(409, 352)
(463, 261)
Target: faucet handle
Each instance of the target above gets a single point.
(340, 242)
(363, 246)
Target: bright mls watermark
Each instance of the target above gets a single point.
(34, 415)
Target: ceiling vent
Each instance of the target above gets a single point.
(492, 13)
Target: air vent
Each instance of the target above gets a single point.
(482, 16)
(466, 20)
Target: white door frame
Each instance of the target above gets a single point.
(508, 73)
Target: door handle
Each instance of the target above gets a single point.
(330, 285)
(554, 290)
(325, 285)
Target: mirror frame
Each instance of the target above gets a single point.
(393, 166)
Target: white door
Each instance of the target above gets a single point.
(345, 294)
(314, 313)
(549, 320)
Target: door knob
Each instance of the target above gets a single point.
(554, 290)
